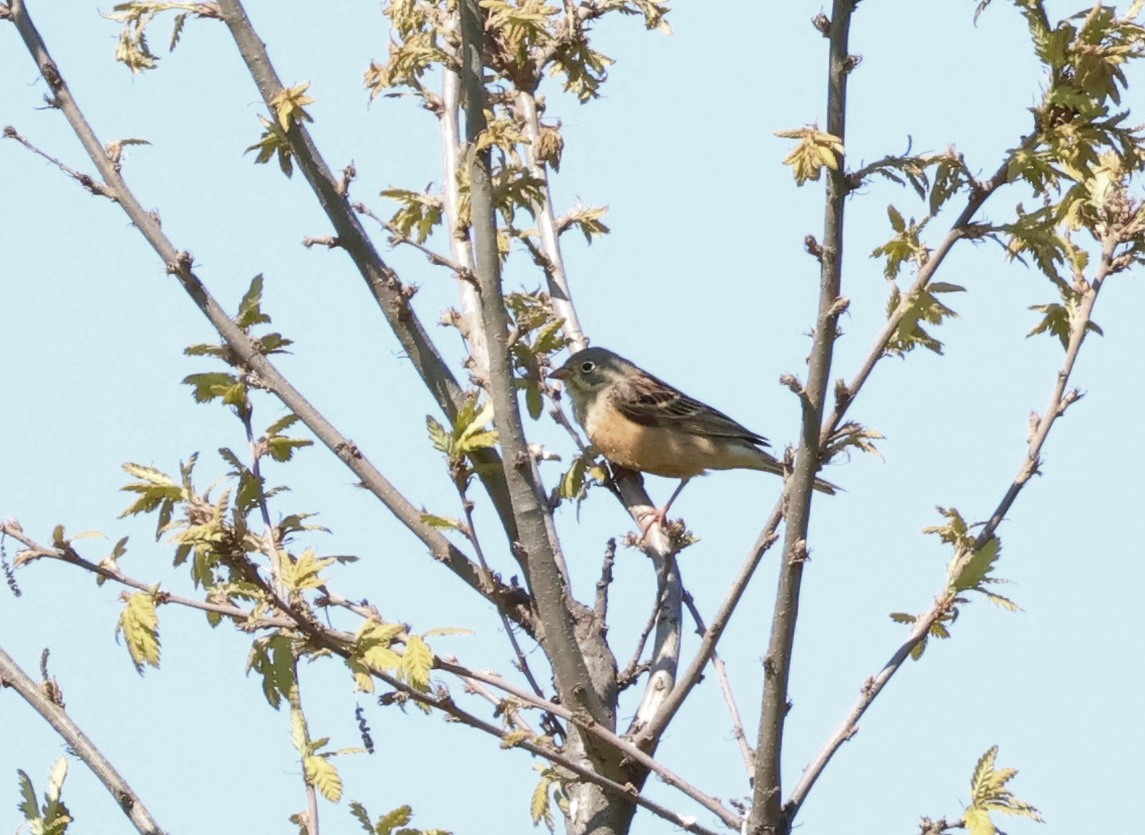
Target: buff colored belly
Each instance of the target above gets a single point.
(660, 451)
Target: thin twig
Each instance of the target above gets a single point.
(459, 241)
(695, 669)
(633, 668)
(726, 688)
(36, 551)
(600, 606)
(522, 662)
(547, 225)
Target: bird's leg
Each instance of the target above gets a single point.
(660, 515)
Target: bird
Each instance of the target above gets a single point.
(639, 422)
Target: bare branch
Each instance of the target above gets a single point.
(12, 676)
(547, 224)
(695, 670)
(767, 813)
(451, 145)
(725, 688)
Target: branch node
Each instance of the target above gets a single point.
(182, 264)
(822, 24)
(328, 241)
(813, 248)
(349, 173)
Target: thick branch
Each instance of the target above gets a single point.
(767, 812)
(537, 538)
(12, 676)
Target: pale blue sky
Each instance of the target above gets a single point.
(705, 283)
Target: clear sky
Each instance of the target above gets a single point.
(704, 282)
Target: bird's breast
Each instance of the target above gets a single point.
(662, 450)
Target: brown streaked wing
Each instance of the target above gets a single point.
(650, 401)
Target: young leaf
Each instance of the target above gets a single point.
(322, 774)
(139, 624)
(417, 661)
(816, 150)
(976, 570)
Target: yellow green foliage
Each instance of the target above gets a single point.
(139, 625)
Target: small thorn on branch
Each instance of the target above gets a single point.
(851, 62)
(842, 395)
(349, 173)
(182, 264)
(813, 248)
(792, 382)
(1068, 399)
(822, 24)
(328, 241)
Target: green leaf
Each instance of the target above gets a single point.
(272, 658)
(988, 793)
(372, 651)
(918, 307)
(304, 573)
(395, 818)
(954, 531)
(975, 570)
(28, 805)
(322, 774)
(273, 143)
(419, 214)
(417, 662)
(539, 806)
(250, 308)
(362, 816)
(139, 624)
(444, 522)
(438, 436)
(211, 385)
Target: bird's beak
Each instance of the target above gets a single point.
(561, 374)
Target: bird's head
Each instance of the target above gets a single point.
(588, 372)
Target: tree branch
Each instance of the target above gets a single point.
(179, 264)
(547, 225)
(943, 603)
(36, 551)
(380, 278)
(38, 699)
(547, 573)
(767, 812)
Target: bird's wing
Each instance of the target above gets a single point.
(650, 401)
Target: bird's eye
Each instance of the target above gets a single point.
(587, 366)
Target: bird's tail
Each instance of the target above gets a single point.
(770, 464)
